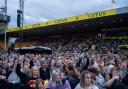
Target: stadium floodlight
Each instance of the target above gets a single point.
(2, 9)
(19, 16)
(19, 11)
(113, 1)
(20, 19)
(5, 36)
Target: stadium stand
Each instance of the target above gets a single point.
(86, 54)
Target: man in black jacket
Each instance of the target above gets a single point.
(23, 73)
(24, 78)
(44, 70)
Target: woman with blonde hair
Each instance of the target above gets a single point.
(57, 82)
(86, 81)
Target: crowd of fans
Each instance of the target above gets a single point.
(74, 64)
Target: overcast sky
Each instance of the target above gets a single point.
(37, 11)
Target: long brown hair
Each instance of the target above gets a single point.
(82, 78)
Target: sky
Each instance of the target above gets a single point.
(36, 11)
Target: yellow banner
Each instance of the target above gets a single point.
(66, 20)
(102, 13)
